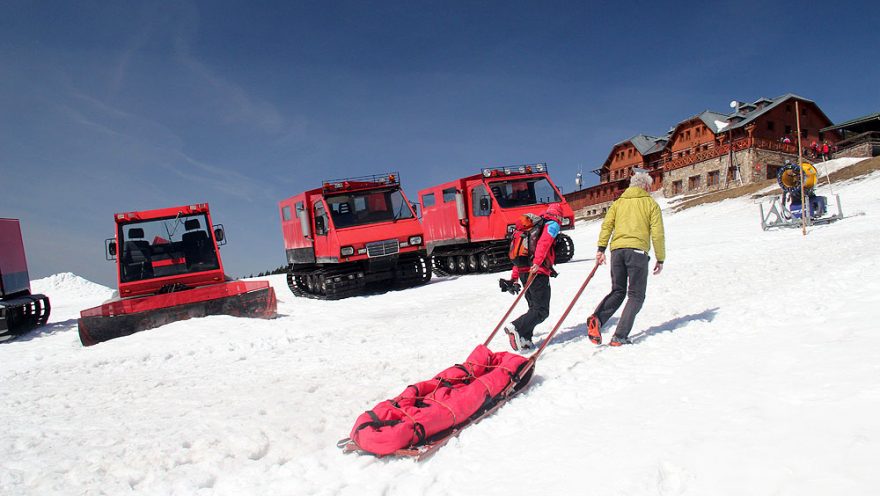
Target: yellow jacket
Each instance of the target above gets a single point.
(636, 221)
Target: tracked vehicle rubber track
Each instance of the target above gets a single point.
(20, 311)
(488, 257)
(334, 283)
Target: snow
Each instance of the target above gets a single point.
(754, 372)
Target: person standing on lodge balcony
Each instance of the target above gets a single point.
(636, 222)
(826, 151)
(786, 140)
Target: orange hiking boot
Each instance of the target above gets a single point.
(616, 341)
(593, 326)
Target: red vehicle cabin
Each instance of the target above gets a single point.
(349, 233)
(467, 221)
(168, 268)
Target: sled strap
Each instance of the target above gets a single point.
(574, 300)
(512, 306)
(376, 423)
(418, 429)
(474, 377)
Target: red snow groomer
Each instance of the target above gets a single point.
(468, 222)
(20, 311)
(168, 268)
(349, 233)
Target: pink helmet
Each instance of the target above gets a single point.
(554, 210)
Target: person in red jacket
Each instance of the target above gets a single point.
(521, 330)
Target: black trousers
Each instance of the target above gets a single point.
(538, 297)
(629, 278)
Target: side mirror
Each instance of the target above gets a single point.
(110, 249)
(485, 204)
(415, 208)
(220, 234)
(319, 226)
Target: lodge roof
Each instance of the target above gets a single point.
(647, 144)
(714, 121)
(759, 110)
(859, 124)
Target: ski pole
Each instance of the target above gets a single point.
(512, 306)
(565, 314)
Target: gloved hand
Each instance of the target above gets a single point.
(510, 286)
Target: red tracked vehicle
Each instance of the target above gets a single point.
(20, 311)
(349, 233)
(468, 221)
(169, 269)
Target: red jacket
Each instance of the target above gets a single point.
(545, 255)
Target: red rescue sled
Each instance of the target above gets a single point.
(428, 414)
(176, 275)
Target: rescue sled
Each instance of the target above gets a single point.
(168, 268)
(426, 415)
(429, 413)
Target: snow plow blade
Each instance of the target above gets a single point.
(117, 318)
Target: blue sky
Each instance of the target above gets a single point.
(117, 106)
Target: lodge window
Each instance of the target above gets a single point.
(713, 178)
(788, 107)
(676, 187)
(787, 129)
(769, 125)
(804, 133)
(803, 111)
(693, 183)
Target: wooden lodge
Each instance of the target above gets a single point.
(711, 151)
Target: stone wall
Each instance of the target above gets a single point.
(866, 150)
(752, 164)
(597, 210)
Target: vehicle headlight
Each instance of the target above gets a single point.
(566, 221)
(347, 251)
(415, 240)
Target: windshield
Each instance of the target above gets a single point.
(522, 192)
(368, 207)
(166, 247)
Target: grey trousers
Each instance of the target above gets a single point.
(629, 278)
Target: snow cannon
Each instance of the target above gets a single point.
(789, 179)
(798, 184)
(20, 311)
(168, 268)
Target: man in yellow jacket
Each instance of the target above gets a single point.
(635, 221)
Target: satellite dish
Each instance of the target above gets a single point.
(733, 104)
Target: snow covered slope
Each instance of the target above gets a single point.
(755, 372)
